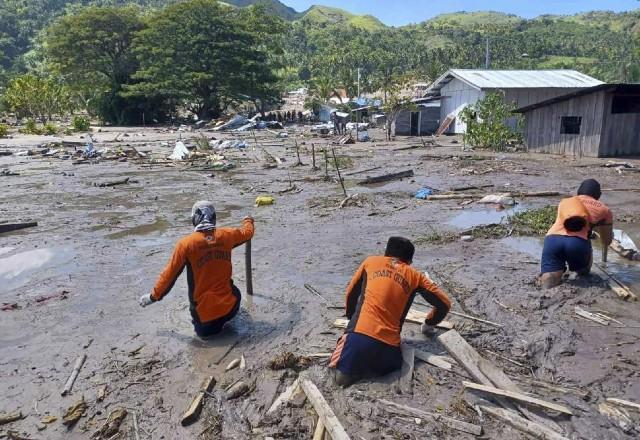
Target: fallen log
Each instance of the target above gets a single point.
(517, 396)
(9, 227)
(453, 423)
(325, 413)
(195, 408)
(386, 177)
(74, 374)
(536, 430)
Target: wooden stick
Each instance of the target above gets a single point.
(113, 183)
(453, 423)
(517, 396)
(625, 403)
(313, 156)
(325, 413)
(195, 408)
(353, 173)
(247, 268)
(622, 290)
(473, 318)
(286, 396)
(590, 316)
(335, 160)
(74, 374)
(312, 289)
(135, 425)
(534, 429)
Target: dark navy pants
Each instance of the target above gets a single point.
(359, 355)
(214, 327)
(562, 250)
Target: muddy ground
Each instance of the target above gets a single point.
(76, 279)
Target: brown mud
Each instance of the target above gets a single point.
(106, 246)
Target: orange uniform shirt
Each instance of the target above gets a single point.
(592, 210)
(207, 257)
(381, 293)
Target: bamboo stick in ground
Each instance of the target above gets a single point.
(74, 374)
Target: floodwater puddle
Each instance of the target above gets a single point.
(472, 218)
(160, 225)
(531, 246)
(18, 269)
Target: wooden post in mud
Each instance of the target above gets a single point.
(335, 160)
(247, 267)
(326, 164)
(313, 156)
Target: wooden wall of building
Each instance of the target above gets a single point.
(542, 129)
(620, 133)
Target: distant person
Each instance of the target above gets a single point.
(378, 299)
(206, 254)
(568, 241)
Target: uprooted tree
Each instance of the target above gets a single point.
(489, 123)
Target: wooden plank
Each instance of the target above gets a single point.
(318, 434)
(625, 403)
(195, 408)
(417, 317)
(74, 374)
(453, 423)
(326, 414)
(518, 396)
(286, 396)
(405, 380)
(511, 418)
(432, 359)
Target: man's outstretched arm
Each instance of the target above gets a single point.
(435, 296)
(167, 277)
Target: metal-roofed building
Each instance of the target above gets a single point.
(461, 87)
(599, 121)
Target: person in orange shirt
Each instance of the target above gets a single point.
(568, 241)
(206, 254)
(378, 299)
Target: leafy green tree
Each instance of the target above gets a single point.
(396, 103)
(36, 97)
(487, 123)
(92, 50)
(203, 55)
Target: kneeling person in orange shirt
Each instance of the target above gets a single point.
(206, 254)
(378, 300)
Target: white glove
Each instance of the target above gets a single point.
(146, 300)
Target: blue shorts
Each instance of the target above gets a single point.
(214, 327)
(360, 355)
(562, 250)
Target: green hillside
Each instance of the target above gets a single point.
(472, 19)
(323, 16)
(273, 6)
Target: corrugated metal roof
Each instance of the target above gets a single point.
(517, 79)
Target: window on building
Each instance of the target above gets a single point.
(625, 104)
(570, 124)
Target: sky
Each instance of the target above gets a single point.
(401, 12)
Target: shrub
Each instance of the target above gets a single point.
(49, 129)
(30, 127)
(4, 130)
(80, 123)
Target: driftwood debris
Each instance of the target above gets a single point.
(625, 403)
(320, 430)
(11, 417)
(195, 408)
(590, 316)
(9, 227)
(444, 325)
(74, 374)
(386, 177)
(113, 183)
(236, 390)
(477, 196)
(325, 413)
(353, 173)
(617, 415)
(74, 412)
(111, 426)
(415, 412)
(473, 318)
(517, 396)
(313, 290)
(534, 429)
(233, 364)
(335, 161)
(621, 289)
